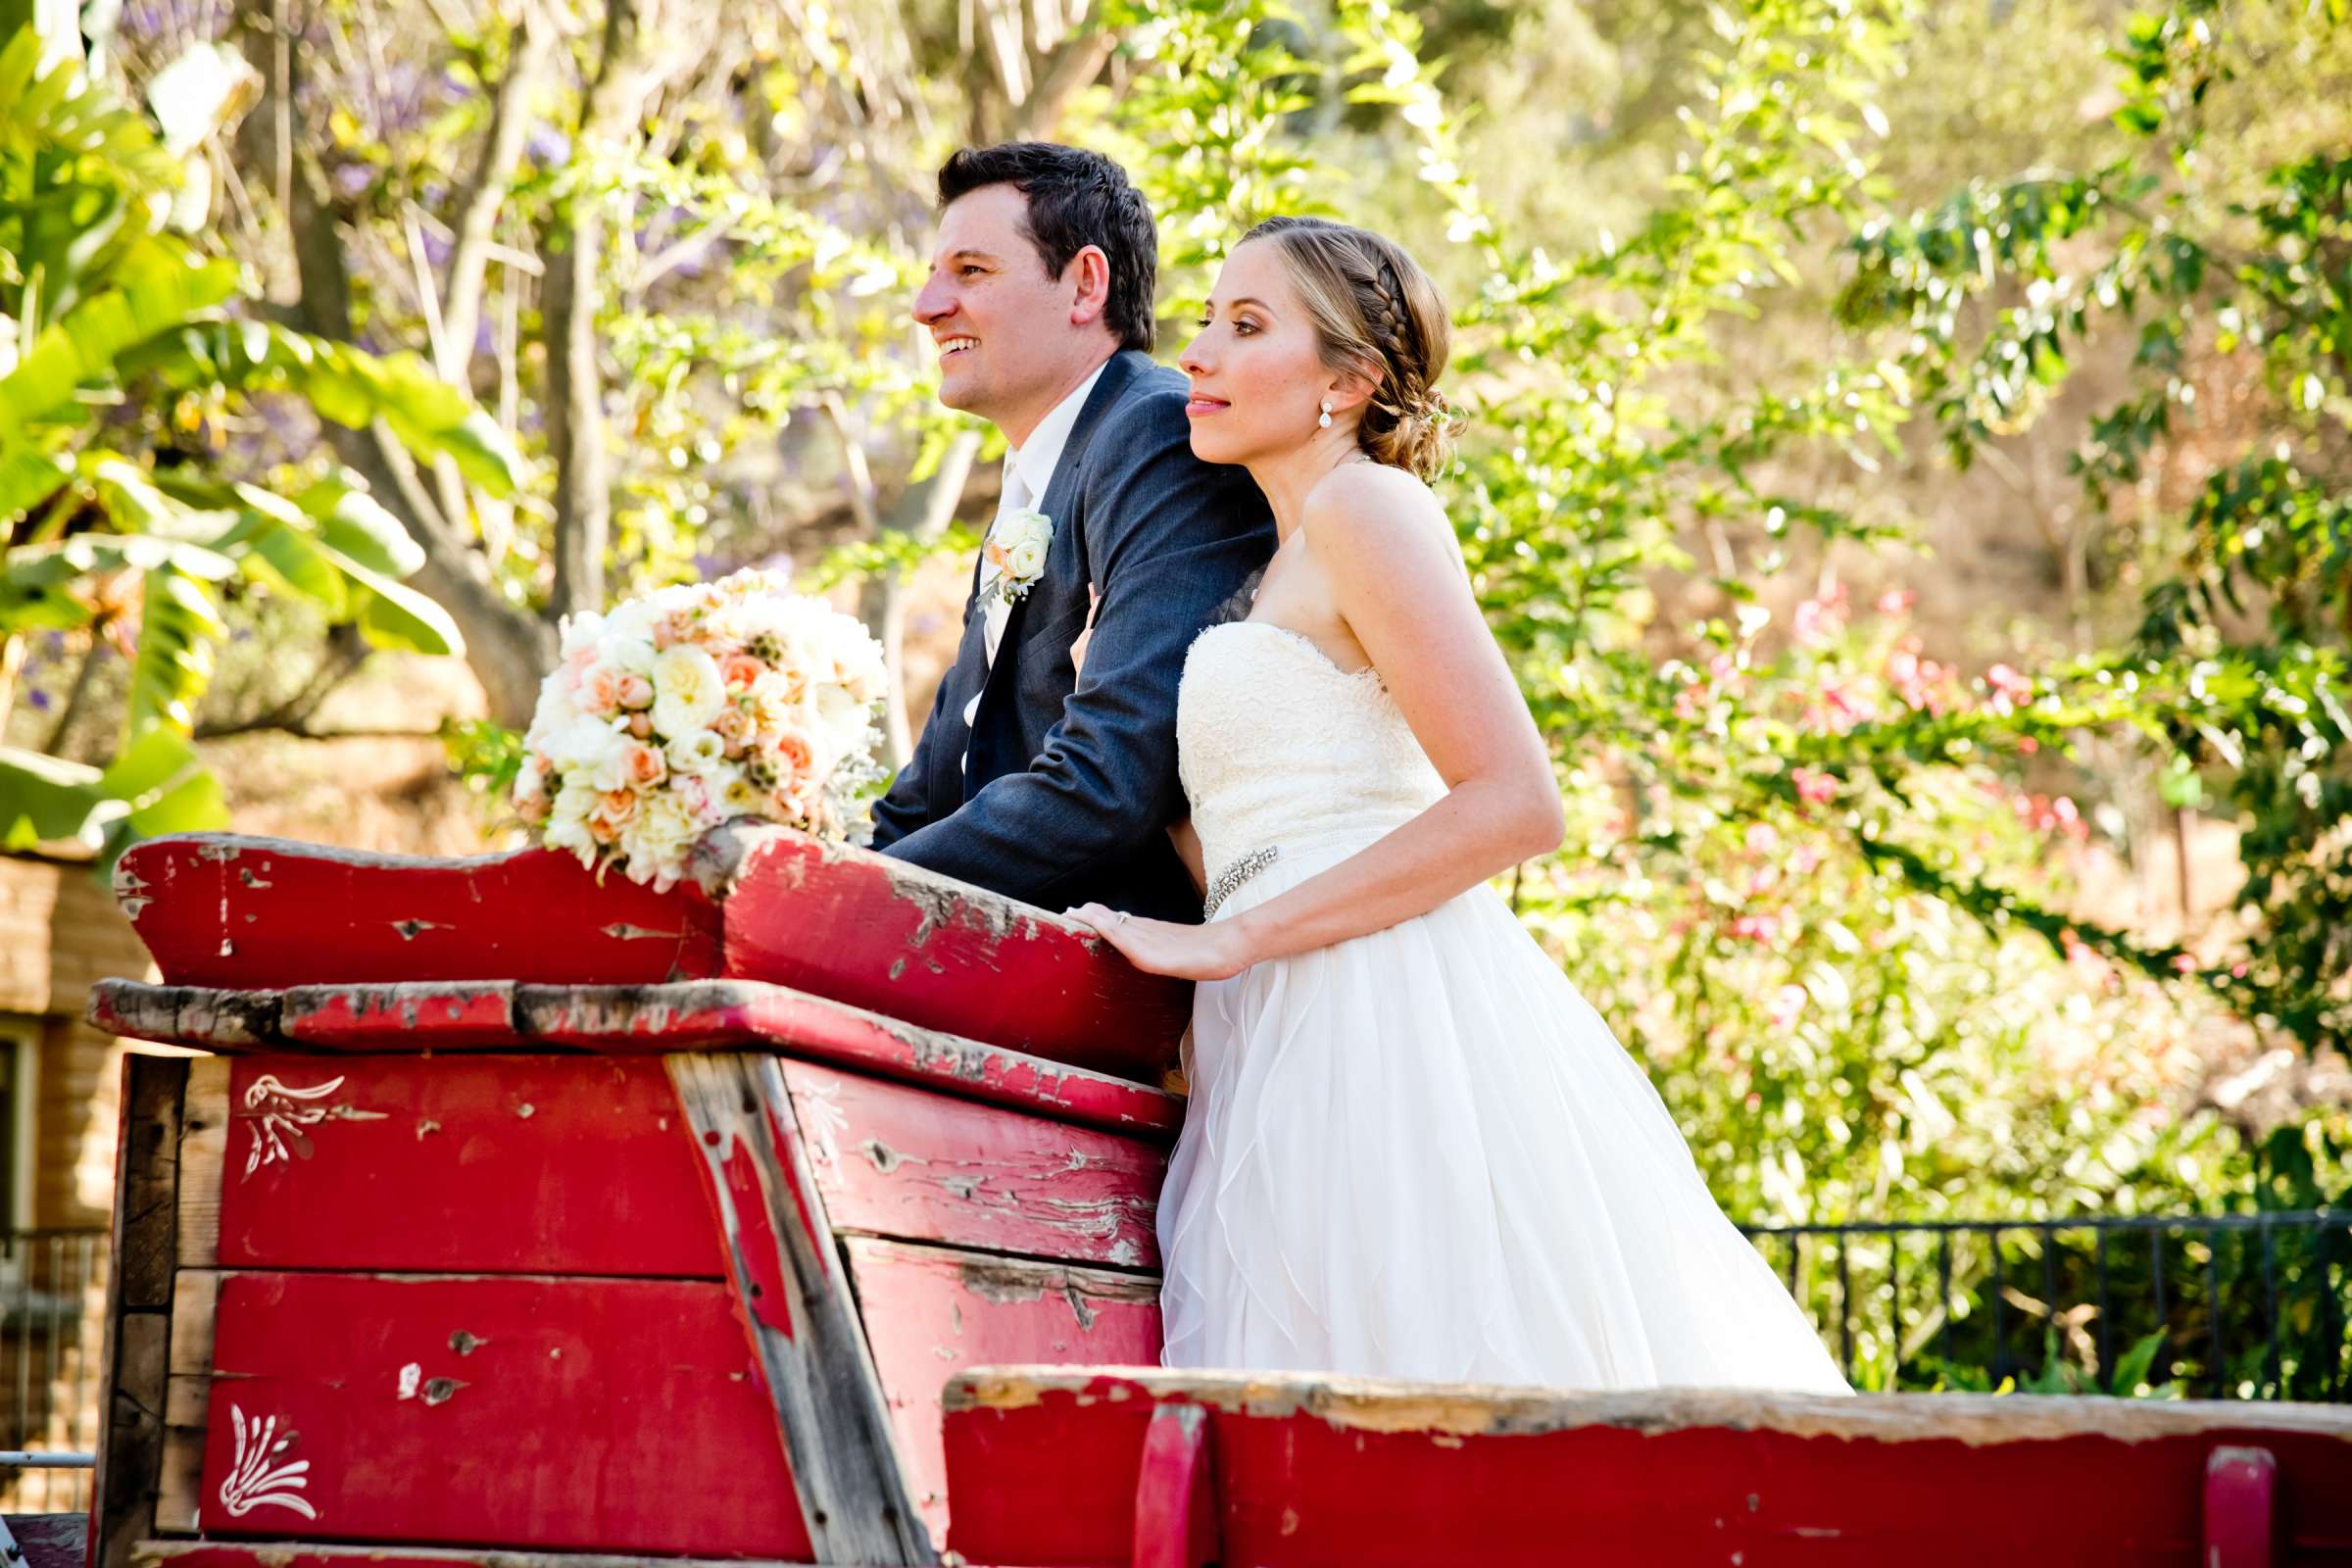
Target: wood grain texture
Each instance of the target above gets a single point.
(797, 1308)
(932, 1311)
(617, 1415)
(625, 1020)
(1043, 1466)
(136, 1354)
(203, 1151)
(221, 911)
(897, 1162)
(527, 1164)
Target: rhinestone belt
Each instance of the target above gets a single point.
(1229, 881)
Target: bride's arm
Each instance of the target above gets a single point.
(1188, 846)
(1385, 548)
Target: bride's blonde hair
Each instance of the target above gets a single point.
(1376, 312)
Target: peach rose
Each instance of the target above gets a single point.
(739, 670)
(603, 691)
(643, 767)
(636, 691)
(614, 808)
(641, 725)
(795, 753)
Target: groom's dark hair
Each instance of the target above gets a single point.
(1076, 199)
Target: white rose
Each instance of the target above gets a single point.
(739, 795)
(1026, 559)
(569, 833)
(633, 654)
(698, 752)
(1023, 528)
(590, 752)
(580, 631)
(844, 718)
(688, 690)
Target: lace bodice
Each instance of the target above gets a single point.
(1277, 745)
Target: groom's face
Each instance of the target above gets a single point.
(999, 323)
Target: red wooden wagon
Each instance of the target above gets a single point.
(518, 1217)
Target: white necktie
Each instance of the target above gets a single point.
(1012, 497)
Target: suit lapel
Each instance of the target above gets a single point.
(1061, 492)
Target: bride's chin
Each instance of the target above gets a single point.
(1209, 447)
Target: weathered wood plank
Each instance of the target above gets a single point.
(893, 1160)
(880, 934)
(219, 910)
(543, 1413)
(462, 1163)
(713, 1015)
(705, 1015)
(795, 1305)
(188, 1015)
(178, 1499)
(2241, 1521)
(322, 1554)
(931, 1311)
(1175, 1519)
(769, 905)
(136, 1341)
(1324, 1471)
(420, 1014)
(203, 1151)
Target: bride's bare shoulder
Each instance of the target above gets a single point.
(1361, 508)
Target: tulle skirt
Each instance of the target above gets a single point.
(1421, 1154)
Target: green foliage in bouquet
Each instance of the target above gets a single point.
(121, 343)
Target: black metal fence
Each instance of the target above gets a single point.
(52, 1315)
(2243, 1307)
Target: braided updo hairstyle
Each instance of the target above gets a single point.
(1378, 313)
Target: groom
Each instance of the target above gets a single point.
(1044, 784)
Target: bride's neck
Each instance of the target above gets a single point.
(1286, 476)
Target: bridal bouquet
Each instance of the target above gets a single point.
(675, 711)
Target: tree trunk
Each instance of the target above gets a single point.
(508, 649)
(569, 301)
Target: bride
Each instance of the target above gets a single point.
(1412, 1148)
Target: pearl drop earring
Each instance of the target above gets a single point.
(1324, 424)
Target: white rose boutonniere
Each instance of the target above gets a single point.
(1016, 548)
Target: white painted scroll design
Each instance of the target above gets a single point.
(279, 1113)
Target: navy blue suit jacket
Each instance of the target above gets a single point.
(1070, 781)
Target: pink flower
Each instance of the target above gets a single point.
(1817, 620)
(1755, 927)
(641, 725)
(2184, 965)
(1896, 602)
(1813, 786)
(739, 670)
(2010, 690)
(1761, 839)
(1787, 1004)
(636, 691)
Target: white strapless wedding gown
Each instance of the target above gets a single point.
(1421, 1154)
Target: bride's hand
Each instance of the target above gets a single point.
(1213, 952)
(1086, 633)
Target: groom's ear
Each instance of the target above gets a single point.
(1089, 272)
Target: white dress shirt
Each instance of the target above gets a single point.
(1028, 471)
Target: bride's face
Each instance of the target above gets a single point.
(1258, 377)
